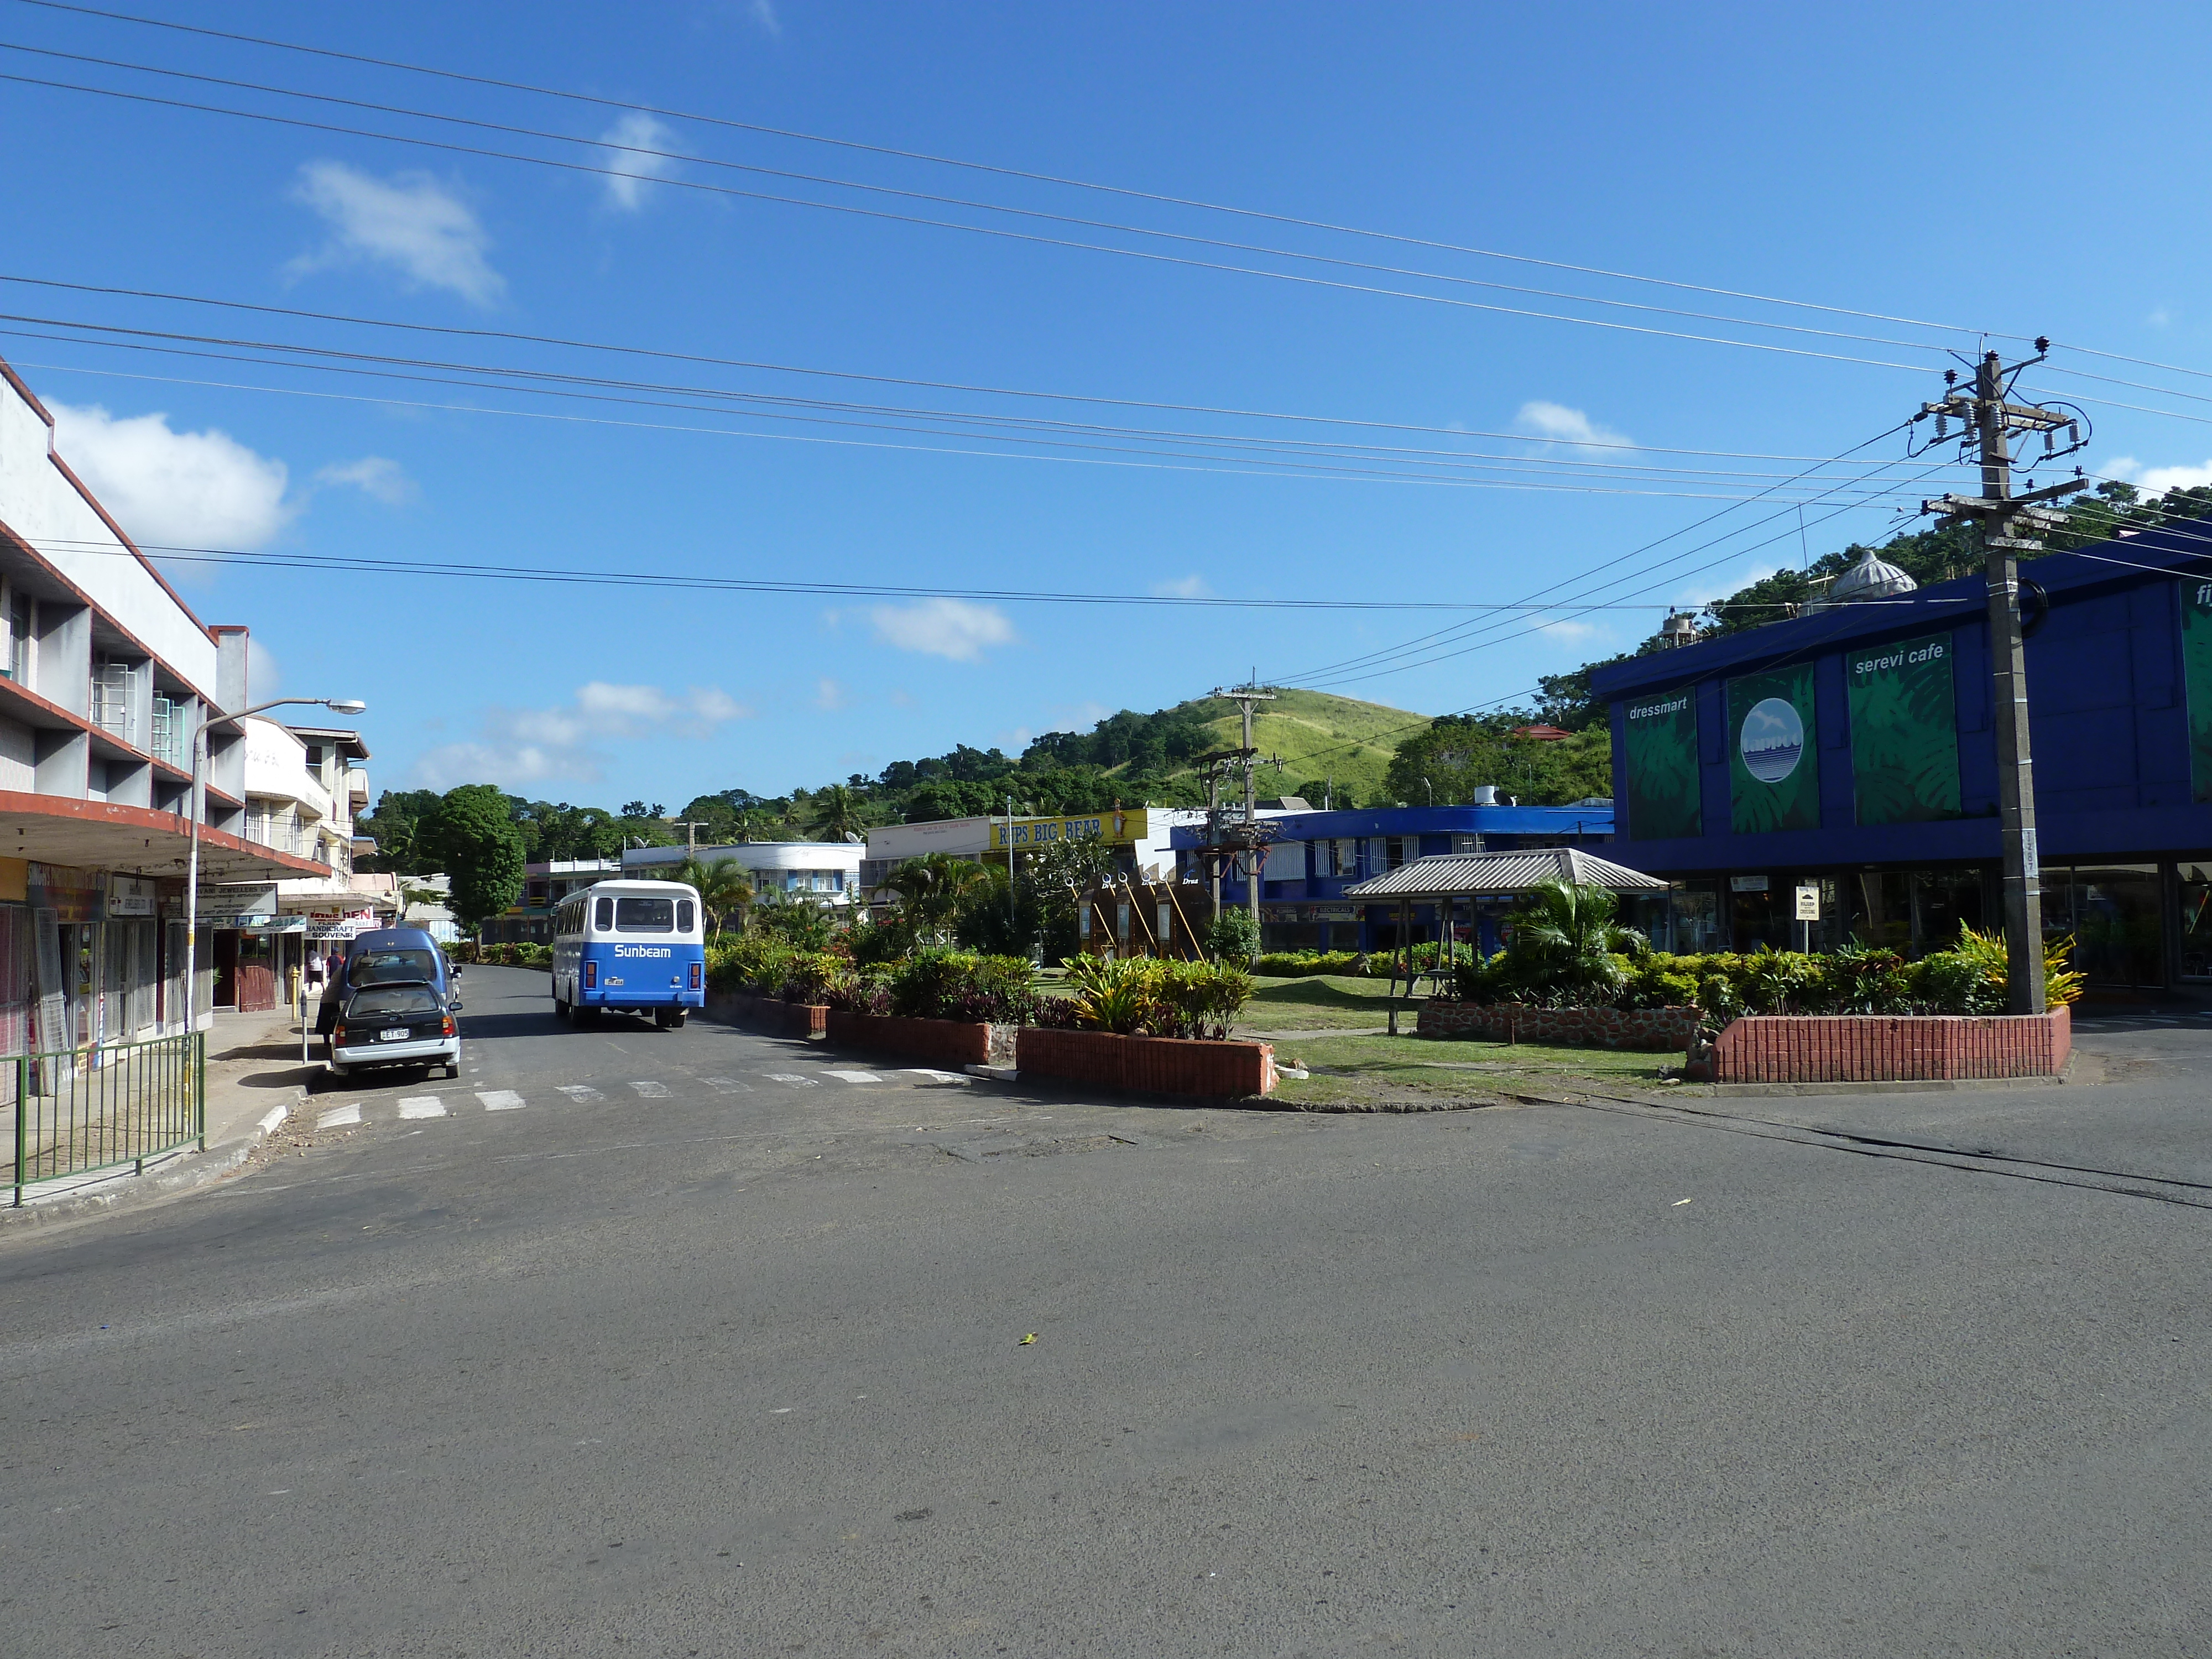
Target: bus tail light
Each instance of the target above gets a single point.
(591, 975)
(695, 968)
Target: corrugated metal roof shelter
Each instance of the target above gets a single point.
(1481, 874)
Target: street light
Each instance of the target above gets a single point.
(197, 806)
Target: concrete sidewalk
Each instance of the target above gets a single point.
(254, 1081)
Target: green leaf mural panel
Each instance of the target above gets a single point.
(1774, 778)
(1662, 784)
(1905, 730)
(2196, 676)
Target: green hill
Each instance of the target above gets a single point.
(1313, 733)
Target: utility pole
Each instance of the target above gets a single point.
(1245, 697)
(1989, 419)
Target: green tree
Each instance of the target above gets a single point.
(478, 846)
(722, 886)
(840, 813)
(396, 826)
(931, 887)
(1456, 754)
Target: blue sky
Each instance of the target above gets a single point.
(1822, 157)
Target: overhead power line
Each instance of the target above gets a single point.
(1148, 256)
(458, 331)
(858, 146)
(655, 155)
(682, 583)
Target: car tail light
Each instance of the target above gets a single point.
(695, 976)
(449, 1025)
(591, 975)
(339, 1034)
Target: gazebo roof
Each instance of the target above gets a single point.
(1456, 875)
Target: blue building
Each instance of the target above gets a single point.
(1314, 856)
(1852, 748)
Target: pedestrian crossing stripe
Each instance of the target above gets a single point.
(580, 1092)
(853, 1077)
(501, 1100)
(422, 1106)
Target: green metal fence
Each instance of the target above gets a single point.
(107, 1109)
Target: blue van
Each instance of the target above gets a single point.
(392, 1003)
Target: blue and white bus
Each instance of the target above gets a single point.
(636, 947)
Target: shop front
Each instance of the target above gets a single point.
(1852, 751)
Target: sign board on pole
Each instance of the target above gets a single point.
(129, 895)
(1808, 901)
(230, 904)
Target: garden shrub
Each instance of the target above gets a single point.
(941, 984)
(1234, 937)
(1145, 996)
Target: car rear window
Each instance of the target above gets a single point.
(645, 915)
(393, 1000)
(392, 968)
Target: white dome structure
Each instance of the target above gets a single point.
(1872, 578)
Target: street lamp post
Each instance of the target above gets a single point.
(197, 808)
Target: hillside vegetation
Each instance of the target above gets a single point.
(1314, 735)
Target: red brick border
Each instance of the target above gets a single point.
(1166, 1066)
(1888, 1049)
(1657, 1029)
(769, 1014)
(950, 1041)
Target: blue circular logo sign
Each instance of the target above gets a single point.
(1772, 740)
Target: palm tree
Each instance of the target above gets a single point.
(1564, 934)
(841, 813)
(930, 888)
(722, 887)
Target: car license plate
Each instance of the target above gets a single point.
(397, 1034)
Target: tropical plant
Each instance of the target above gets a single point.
(1867, 978)
(722, 887)
(1234, 937)
(800, 923)
(2061, 983)
(930, 888)
(1564, 939)
(939, 984)
(841, 813)
(1120, 996)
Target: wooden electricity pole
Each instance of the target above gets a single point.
(1991, 419)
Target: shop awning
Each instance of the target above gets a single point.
(95, 834)
(1459, 875)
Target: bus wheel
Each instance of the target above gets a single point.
(560, 1008)
(681, 1014)
(662, 1018)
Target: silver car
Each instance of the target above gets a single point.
(402, 1024)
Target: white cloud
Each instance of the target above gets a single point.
(1557, 423)
(764, 13)
(1183, 587)
(827, 694)
(375, 475)
(2157, 480)
(410, 222)
(264, 679)
(634, 133)
(943, 627)
(173, 488)
(1567, 628)
(526, 745)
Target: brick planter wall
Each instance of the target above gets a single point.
(1166, 1066)
(768, 1014)
(1657, 1029)
(946, 1042)
(1891, 1048)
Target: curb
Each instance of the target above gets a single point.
(179, 1173)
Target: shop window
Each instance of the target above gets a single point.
(2195, 892)
(2114, 912)
(1290, 936)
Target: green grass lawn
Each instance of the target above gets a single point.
(1378, 1070)
(1322, 1002)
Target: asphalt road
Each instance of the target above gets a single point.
(720, 1353)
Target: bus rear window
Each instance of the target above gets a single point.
(645, 915)
(606, 920)
(684, 918)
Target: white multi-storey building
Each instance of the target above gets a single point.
(107, 675)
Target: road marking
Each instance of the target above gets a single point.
(650, 1090)
(793, 1077)
(853, 1077)
(728, 1086)
(501, 1100)
(935, 1076)
(339, 1117)
(422, 1106)
(579, 1091)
